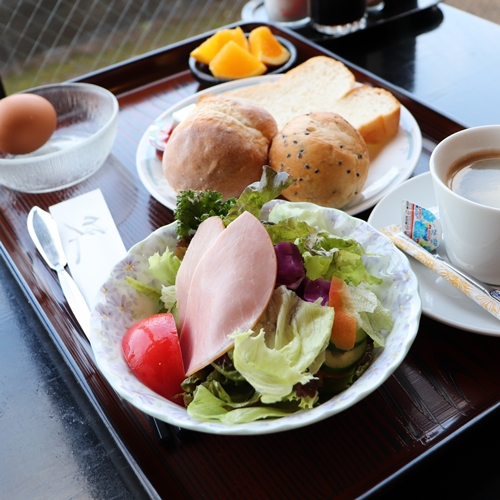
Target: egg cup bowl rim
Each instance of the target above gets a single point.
(23, 159)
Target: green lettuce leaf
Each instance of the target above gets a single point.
(370, 314)
(289, 338)
(256, 195)
(147, 290)
(344, 264)
(209, 407)
(165, 266)
(305, 402)
(325, 255)
(169, 299)
(229, 372)
(289, 230)
(299, 211)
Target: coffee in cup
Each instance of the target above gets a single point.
(476, 177)
(471, 228)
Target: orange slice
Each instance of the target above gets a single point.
(266, 48)
(211, 46)
(233, 61)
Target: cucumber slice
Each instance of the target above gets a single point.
(332, 386)
(361, 336)
(342, 361)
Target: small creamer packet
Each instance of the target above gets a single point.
(421, 225)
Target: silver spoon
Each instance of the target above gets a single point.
(490, 290)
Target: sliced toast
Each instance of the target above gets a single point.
(325, 84)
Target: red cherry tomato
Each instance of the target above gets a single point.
(151, 349)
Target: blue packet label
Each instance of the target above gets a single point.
(421, 225)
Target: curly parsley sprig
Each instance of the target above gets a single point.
(193, 207)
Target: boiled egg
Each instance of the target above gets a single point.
(27, 121)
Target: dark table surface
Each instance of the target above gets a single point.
(56, 441)
(443, 56)
(449, 60)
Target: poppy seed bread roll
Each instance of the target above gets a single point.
(327, 156)
(222, 146)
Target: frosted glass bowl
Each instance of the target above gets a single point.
(87, 120)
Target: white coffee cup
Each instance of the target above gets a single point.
(286, 11)
(471, 230)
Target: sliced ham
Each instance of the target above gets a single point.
(208, 231)
(228, 291)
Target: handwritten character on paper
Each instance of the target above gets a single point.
(88, 227)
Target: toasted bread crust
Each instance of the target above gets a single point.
(375, 112)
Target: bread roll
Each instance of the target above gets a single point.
(222, 146)
(327, 156)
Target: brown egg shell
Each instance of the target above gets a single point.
(27, 121)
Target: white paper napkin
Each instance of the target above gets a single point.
(90, 239)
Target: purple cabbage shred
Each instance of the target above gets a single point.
(312, 290)
(291, 269)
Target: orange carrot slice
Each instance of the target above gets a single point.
(344, 323)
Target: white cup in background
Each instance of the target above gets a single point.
(286, 11)
(471, 230)
(373, 6)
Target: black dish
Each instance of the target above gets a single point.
(202, 73)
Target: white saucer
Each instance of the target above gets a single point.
(440, 300)
(390, 164)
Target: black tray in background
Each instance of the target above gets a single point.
(393, 10)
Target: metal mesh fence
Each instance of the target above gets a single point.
(47, 41)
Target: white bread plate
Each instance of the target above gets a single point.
(390, 164)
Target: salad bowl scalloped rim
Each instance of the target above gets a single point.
(119, 306)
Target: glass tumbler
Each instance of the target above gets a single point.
(337, 17)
